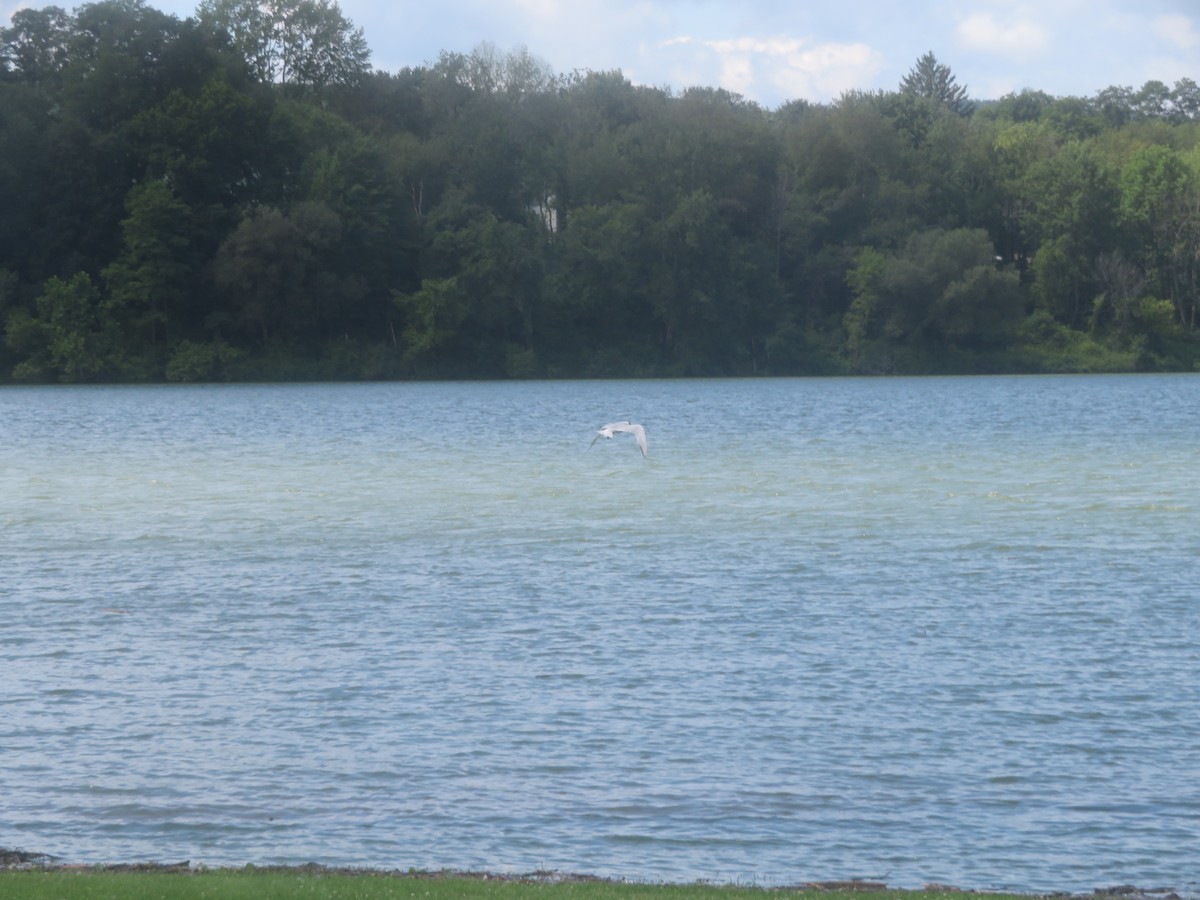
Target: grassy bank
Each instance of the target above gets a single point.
(324, 884)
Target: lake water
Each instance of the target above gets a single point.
(900, 629)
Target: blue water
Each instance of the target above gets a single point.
(901, 629)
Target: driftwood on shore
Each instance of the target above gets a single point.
(18, 857)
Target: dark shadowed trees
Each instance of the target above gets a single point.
(237, 195)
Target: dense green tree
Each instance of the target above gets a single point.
(598, 288)
(942, 288)
(1015, 150)
(126, 61)
(480, 299)
(1073, 201)
(435, 313)
(1025, 106)
(1123, 285)
(107, 81)
(594, 140)
(275, 274)
(1115, 104)
(36, 46)
(208, 144)
(688, 285)
(1160, 201)
(934, 81)
(155, 270)
(1153, 100)
(25, 178)
(1185, 101)
(73, 337)
(307, 43)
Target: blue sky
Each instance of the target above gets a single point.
(772, 51)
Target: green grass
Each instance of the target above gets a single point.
(251, 884)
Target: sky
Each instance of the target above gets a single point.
(773, 51)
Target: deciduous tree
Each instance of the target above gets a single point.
(308, 43)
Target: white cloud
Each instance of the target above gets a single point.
(1021, 37)
(538, 8)
(775, 69)
(7, 10)
(1177, 30)
(744, 60)
(826, 71)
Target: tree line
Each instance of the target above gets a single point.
(239, 195)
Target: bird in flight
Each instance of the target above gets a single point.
(607, 431)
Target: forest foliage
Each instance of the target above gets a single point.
(239, 195)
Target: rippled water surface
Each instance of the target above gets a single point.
(908, 629)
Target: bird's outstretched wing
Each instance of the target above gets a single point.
(640, 433)
(607, 431)
(632, 428)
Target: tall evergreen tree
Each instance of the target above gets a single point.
(934, 81)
